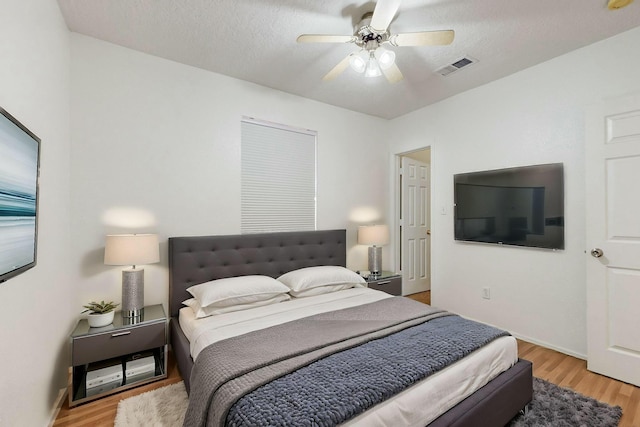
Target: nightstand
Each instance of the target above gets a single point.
(128, 353)
(386, 281)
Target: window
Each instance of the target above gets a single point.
(278, 191)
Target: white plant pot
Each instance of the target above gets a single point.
(98, 320)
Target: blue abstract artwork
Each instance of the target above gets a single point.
(18, 196)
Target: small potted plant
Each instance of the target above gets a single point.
(100, 313)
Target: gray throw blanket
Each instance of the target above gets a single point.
(228, 370)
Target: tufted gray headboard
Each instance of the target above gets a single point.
(194, 260)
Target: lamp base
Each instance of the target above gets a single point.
(132, 292)
(375, 260)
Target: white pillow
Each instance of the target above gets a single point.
(201, 312)
(236, 290)
(313, 277)
(324, 290)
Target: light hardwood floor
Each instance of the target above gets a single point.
(550, 365)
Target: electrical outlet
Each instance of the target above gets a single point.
(486, 293)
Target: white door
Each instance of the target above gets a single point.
(613, 239)
(414, 226)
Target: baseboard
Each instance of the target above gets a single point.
(550, 346)
(62, 395)
(536, 341)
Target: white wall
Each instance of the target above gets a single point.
(532, 117)
(156, 148)
(35, 307)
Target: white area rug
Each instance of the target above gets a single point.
(162, 407)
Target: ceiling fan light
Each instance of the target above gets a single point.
(385, 57)
(357, 63)
(373, 69)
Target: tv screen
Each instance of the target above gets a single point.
(19, 166)
(522, 206)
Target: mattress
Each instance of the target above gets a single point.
(442, 390)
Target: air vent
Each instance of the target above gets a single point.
(446, 70)
(455, 66)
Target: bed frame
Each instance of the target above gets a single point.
(194, 260)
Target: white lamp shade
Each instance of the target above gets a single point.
(385, 57)
(131, 249)
(357, 62)
(373, 235)
(373, 69)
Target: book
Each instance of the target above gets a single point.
(102, 373)
(139, 377)
(140, 366)
(104, 387)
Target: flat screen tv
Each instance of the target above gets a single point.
(19, 167)
(522, 206)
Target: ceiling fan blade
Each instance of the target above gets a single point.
(324, 38)
(338, 69)
(393, 74)
(424, 38)
(383, 14)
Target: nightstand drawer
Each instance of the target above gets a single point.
(390, 285)
(117, 342)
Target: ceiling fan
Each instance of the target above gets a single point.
(370, 35)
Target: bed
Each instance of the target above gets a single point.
(200, 259)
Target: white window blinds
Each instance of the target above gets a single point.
(278, 178)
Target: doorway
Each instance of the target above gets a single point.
(413, 220)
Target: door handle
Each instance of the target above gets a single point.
(597, 252)
(429, 232)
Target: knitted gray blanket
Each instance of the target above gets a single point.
(229, 369)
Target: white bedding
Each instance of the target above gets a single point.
(442, 390)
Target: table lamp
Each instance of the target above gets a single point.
(375, 235)
(134, 250)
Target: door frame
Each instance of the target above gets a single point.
(397, 205)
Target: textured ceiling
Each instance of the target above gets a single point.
(255, 40)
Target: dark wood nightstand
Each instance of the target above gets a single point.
(101, 358)
(386, 281)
